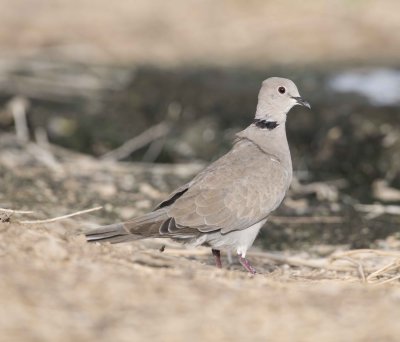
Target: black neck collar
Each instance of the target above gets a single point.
(265, 124)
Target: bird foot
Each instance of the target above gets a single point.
(246, 264)
(217, 256)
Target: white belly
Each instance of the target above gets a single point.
(239, 240)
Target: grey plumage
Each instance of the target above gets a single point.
(227, 203)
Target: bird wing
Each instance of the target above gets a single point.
(235, 192)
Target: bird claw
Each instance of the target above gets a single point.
(246, 264)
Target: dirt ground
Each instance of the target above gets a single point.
(57, 290)
(56, 287)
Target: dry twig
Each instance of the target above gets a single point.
(388, 280)
(306, 219)
(366, 250)
(360, 267)
(132, 145)
(62, 217)
(18, 106)
(11, 211)
(375, 210)
(385, 271)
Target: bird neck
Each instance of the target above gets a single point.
(260, 123)
(270, 137)
(269, 112)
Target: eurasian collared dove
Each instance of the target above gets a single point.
(227, 203)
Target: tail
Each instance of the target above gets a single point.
(114, 233)
(140, 228)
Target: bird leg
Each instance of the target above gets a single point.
(246, 264)
(229, 256)
(217, 256)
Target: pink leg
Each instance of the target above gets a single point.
(245, 263)
(217, 256)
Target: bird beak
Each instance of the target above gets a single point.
(301, 102)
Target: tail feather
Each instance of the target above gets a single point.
(113, 233)
(139, 228)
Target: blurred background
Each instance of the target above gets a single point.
(180, 78)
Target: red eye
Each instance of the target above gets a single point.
(282, 90)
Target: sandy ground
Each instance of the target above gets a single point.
(202, 32)
(53, 289)
(56, 287)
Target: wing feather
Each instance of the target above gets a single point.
(235, 192)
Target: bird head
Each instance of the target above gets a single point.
(276, 97)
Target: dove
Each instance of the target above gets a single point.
(225, 205)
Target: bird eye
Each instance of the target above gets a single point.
(282, 90)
